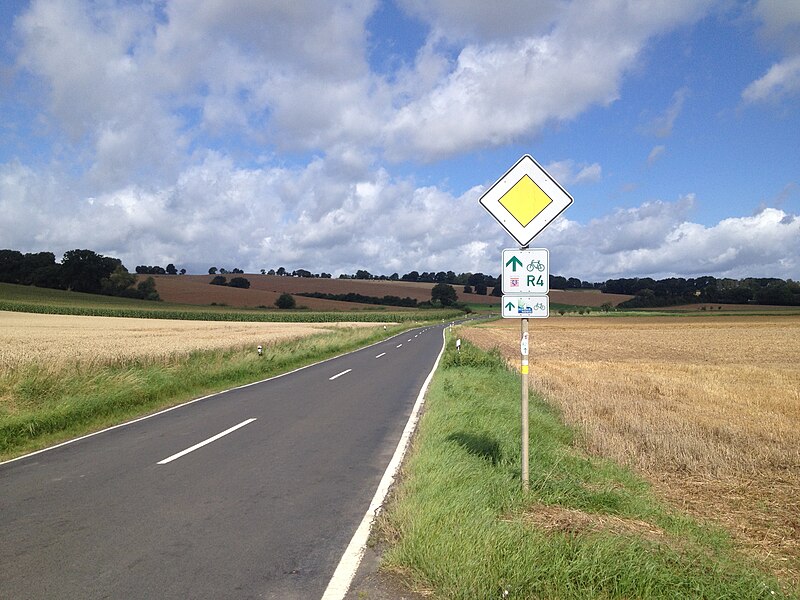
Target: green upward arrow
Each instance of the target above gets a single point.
(510, 306)
(514, 261)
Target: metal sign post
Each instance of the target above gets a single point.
(524, 201)
(524, 370)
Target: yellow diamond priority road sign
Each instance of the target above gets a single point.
(525, 200)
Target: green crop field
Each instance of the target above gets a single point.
(40, 300)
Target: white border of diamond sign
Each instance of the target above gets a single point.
(526, 165)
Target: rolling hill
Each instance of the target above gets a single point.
(265, 289)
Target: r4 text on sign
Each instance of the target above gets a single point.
(526, 271)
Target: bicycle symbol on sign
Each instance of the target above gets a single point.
(536, 264)
(538, 306)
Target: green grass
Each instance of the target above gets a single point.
(55, 405)
(31, 299)
(460, 525)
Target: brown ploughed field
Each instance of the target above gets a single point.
(706, 408)
(265, 289)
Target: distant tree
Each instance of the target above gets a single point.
(412, 276)
(148, 270)
(171, 270)
(497, 291)
(362, 274)
(444, 293)
(467, 289)
(212, 271)
(325, 275)
(182, 271)
(119, 281)
(394, 277)
(47, 277)
(84, 270)
(10, 266)
(605, 306)
(475, 279)
(239, 282)
(281, 271)
(480, 288)
(223, 270)
(35, 265)
(219, 280)
(236, 271)
(271, 272)
(147, 289)
(285, 301)
(263, 271)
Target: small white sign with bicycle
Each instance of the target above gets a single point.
(526, 271)
(526, 307)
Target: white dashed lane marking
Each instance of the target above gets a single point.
(339, 374)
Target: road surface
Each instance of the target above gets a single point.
(253, 493)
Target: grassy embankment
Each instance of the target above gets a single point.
(43, 403)
(459, 524)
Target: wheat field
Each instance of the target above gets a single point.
(707, 408)
(53, 341)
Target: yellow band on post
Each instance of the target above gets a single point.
(525, 369)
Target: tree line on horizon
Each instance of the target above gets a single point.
(79, 271)
(650, 293)
(86, 271)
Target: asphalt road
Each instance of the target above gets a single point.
(264, 511)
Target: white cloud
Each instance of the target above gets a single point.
(780, 81)
(500, 90)
(780, 26)
(662, 125)
(567, 172)
(486, 21)
(656, 153)
(658, 240)
(145, 104)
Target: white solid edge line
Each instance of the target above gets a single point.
(351, 559)
(177, 406)
(204, 442)
(339, 374)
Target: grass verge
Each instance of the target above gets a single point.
(459, 525)
(59, 404)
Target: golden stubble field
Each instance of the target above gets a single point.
(706, 408)
(52, 341)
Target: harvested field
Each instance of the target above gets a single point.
(55, 340)
(265, 289)
(708, 409)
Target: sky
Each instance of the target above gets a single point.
(337, 136)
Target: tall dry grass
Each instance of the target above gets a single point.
(708, 408)
(52, 341)
(41, 346)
